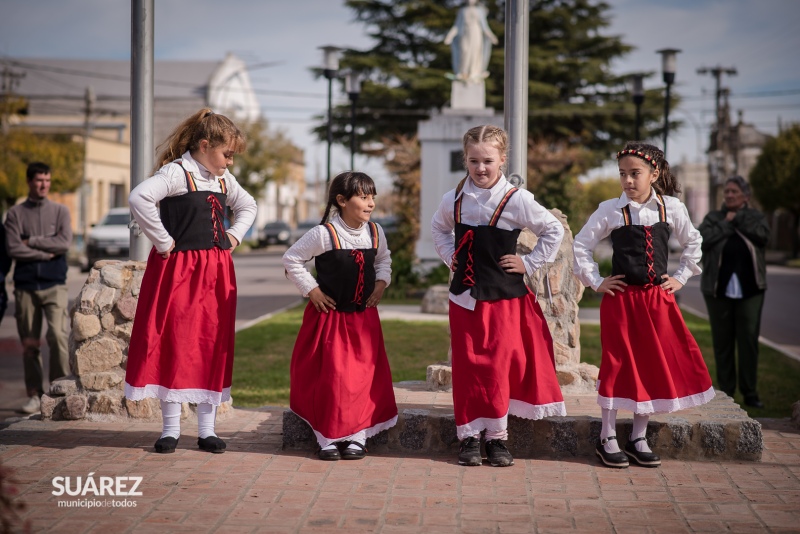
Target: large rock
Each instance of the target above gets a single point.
(102, 354)
(436, 299)
(85, 326)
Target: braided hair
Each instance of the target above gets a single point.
(666, 183)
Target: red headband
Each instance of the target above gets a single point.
(633, 152)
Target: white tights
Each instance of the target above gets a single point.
(171, 416)
(609, 418)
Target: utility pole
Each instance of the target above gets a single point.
(88, 111)
(718, 161)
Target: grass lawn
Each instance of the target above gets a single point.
(264, 351)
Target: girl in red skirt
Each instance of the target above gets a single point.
(181, 347)
(503, 361)
(341, 384)
(651, 362)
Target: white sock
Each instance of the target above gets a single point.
(609, 428)
(206, 413)
(498, 434)
(639, 431)
(171, 417)
(329, 447)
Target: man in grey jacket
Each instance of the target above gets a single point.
(38, 235)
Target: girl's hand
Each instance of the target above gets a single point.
(511, 263)
(375, 298)
(165, 254)
(321, 301)
(234, 241)
(611, 284)
(670, 285)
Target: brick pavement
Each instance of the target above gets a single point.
(257, 487)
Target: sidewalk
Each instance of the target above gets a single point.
(257, 487)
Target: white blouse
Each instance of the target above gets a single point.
(170, 181)
(477, 208)
(318, 241)
(608, 218)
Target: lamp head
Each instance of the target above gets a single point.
(668, 57)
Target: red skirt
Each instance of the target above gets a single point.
(650, 363)
(181, 347)
(503, 363)
(341, 384)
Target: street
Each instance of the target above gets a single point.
(779, 323)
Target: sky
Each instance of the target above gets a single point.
(757, 37)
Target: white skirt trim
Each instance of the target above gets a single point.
(655, 406)
(362, 434)
(516, 408)
(194, 396)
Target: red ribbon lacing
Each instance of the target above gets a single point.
(648, 248)
(216, 218)
(358, 257)
(469, 272)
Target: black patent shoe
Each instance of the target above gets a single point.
(350, 454)
(753, 402)
(611, 459)
(645, 459)
(470, 452)
(329, 455)
(166, 445)
(498, 453)
(211, 444)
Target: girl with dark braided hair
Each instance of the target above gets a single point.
(650, 361)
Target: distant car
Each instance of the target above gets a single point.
(301, 229)
(388, 223)
(110, 238)
(275, 233)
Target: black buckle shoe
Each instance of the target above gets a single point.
(645, 459)
(349, 454)
(611, 459)
(498, 453)
(470, 452)
(211, 444)
(329, 455)
(166, 445)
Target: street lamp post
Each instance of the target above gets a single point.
(668, 72)
(637, 82)
(352, 85)
(330, 70)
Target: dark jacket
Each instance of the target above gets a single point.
(751, 226)
(42, 262)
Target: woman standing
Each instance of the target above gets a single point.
(733, 283)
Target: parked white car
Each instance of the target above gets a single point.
(110, 239)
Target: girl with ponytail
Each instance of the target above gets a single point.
(650, 361)
(181, 347)
(341, 384)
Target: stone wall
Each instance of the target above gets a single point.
(102, 320)
(558, 293)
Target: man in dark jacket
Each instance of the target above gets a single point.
(733, 283)
(38, 235)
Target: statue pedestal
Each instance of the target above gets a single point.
(442, 165)
(468, 96)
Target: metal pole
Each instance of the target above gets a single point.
(353, 132)
(638, 122)
(666, 119)
(330, 130)
(84, 198)
(142, 17)
(516, 89)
